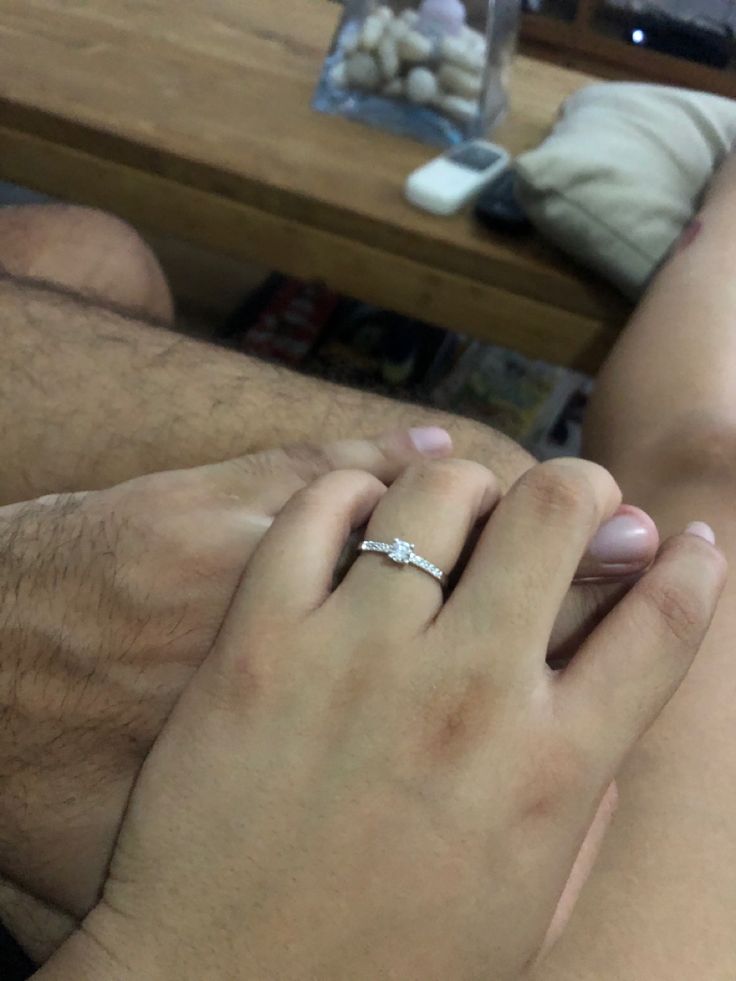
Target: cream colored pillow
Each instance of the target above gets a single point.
(622, 173)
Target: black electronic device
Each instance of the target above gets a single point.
(498, 207)
(704, 41)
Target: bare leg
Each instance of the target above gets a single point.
(85, 252)
(91, 398)
(662, 901)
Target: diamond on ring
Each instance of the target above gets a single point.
(402, 553)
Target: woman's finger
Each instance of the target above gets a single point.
(584, 607)
(292, 570)
(623, 546)
(632, 664)
(433, 507)
(526, 558)
(622, 550)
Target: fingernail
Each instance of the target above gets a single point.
(431, 441)
(701, 530)
(622, 540)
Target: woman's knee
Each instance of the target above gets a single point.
(87, 252)
(698, 449)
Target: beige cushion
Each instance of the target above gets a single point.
(623, 172)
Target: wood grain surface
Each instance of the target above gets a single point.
(193, 118)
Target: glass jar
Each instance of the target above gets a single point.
(436, 70)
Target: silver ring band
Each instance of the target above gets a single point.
(402, 553)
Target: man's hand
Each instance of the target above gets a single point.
(109, 602)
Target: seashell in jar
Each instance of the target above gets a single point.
(457, 81)
(474, 38)
(388, 57)
(465, 55)
(397, 28)
(372, 32)
(363, 71)
(415, 47)
(421, 86)
(464, 110)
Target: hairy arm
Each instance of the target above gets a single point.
(91, 398)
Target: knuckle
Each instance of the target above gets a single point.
(680, 610)
(453, 717)
(303, 460)
(308, 461)
(555, 489)
(177, 529)
(248, 674)
(152, 491)
(448, 476)
(329, 490)
(310, 498)
(256, 466)
(162, 499)
(561, 770)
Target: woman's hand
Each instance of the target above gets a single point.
(109, 602)
(377, 781)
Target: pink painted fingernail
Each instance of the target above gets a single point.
(431, 441)
(623, 540)
(701, 530)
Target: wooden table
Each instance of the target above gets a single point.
(192, 118)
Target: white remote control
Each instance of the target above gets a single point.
(449, 182)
